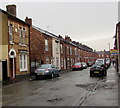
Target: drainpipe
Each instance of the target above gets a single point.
(13, 68)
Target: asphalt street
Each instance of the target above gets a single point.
(72, 88)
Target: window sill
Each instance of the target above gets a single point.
(23, 70)
(11, 43)
(23, 45)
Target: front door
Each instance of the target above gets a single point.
(12, 68)
(4, 70)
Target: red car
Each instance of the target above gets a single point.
(77, 66)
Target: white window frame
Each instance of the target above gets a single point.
(62, 62)
(57, 48)
(11, 33)
(61, 48)
(22, 37)
(57, 61)
(46, 44)
(67, 49)
(70, 51)
(23, 62)
(47, 60)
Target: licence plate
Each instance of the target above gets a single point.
(40, 73)
(96, 72)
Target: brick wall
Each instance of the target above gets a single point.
(16, 40)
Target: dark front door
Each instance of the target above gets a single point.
(4, 70)
(12, 67)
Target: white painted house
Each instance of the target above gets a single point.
(56, 52)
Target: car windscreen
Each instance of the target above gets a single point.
(84, 63)
(46, 66)
(77, 63)
(96, 66)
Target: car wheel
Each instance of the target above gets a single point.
(37, 77)
(91, 74)
(105, 73)
(52, 75)
(58, 74)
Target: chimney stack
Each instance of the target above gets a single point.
(67, 38)
(28, 20)
(11, 9)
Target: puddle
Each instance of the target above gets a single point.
(87, 86)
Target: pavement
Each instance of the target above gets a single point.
(106, 92)
(21, 78)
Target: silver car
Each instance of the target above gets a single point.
(47, 70)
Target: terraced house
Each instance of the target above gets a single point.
(14, 45)
(117, 45)
(44, 47)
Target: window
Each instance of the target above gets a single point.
(61, 48)
(70, 51)
(57, 61)
(10, 33)
(46, 44)
(57, 51)
(22, 35)
(61, 62)
(23, 62)
(71, 61)
(67, 50)
(47, 60)
(75, 51)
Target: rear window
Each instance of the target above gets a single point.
(45, 66)
(96, 65)
(77, 63)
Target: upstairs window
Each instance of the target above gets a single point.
(70, 51)
(57, 48)
(67, 50)
(22, 35)
(11, 33)
(75, 51)
(24, 38)
(61, 48)
(46, 44)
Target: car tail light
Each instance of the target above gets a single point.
(101, 68)
(36, 70)
(91, 68)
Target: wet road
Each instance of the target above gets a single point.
(74, 88)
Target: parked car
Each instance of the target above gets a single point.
(84, 65)
(108, 63)
(90, 63)
(77, 66)
(98, 69)
(47, 70)
(101, 61)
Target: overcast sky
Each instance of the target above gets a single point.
(90, 23)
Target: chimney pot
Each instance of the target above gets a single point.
(28, 20)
